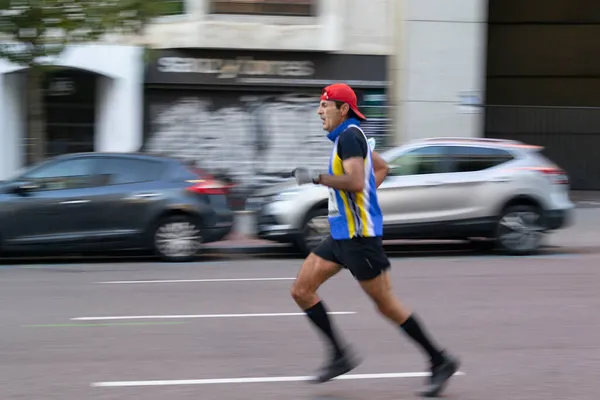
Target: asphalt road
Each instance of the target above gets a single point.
(525, 328)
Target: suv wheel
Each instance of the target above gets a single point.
(177, 238)
(520, 230)
(314, 230)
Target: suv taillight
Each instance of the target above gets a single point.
(208, 186)
(556, 176)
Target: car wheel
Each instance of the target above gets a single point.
(177, 238)
(520, 230)
(314, 230)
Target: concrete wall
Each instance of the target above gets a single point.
(347, 26)
(12, 123)
(439, 65)
(119, 107)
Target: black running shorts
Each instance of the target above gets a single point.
(364, 257)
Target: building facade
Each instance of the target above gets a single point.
(237, 76)
(92, 102)
(543, 81)
(234, 86)
(252, 114)
(435, 50)
(231, 75)
(345, 26)
(438, 71)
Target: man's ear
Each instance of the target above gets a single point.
(345, 109)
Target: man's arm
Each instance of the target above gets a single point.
(352, 181)
(380, 167)
(352, 150)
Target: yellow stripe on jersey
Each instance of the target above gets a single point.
(338, 169)
(360, 202)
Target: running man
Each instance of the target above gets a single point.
(355, 241)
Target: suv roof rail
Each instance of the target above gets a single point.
(468, 139)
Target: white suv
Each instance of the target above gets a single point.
(438, 188)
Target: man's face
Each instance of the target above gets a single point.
(330, 115)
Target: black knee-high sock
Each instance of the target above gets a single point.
(318, 315)
(414, 329)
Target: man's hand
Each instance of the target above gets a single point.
(305, 175)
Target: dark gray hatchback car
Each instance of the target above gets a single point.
(113, 201)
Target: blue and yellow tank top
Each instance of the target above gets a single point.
(353, 214)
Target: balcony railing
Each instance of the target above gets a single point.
(294, 8)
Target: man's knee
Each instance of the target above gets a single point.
(300, 289)
(313, 273)
(301, 292)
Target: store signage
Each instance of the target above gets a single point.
(232, 68)
(265, 68)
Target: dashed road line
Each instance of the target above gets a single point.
(103, 324)
(259, 379)
(204, 316)
(198, 280)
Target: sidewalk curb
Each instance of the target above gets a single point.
(249, 249)
(396, 247)
(393, 246)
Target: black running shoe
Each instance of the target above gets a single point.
(338, 366)
(439, 376)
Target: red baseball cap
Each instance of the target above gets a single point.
(342, 92)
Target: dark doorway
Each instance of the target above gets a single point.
(70, 107)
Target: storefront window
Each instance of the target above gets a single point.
(303, 8)
(171, 7)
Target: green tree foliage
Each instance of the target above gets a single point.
(34, 32)
(33, 29)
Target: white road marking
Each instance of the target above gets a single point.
(203, 316)
(595, 203)
(259, 380)
(200, 280)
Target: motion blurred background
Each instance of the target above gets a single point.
(233, 85)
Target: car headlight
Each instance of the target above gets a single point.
(285, 195)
